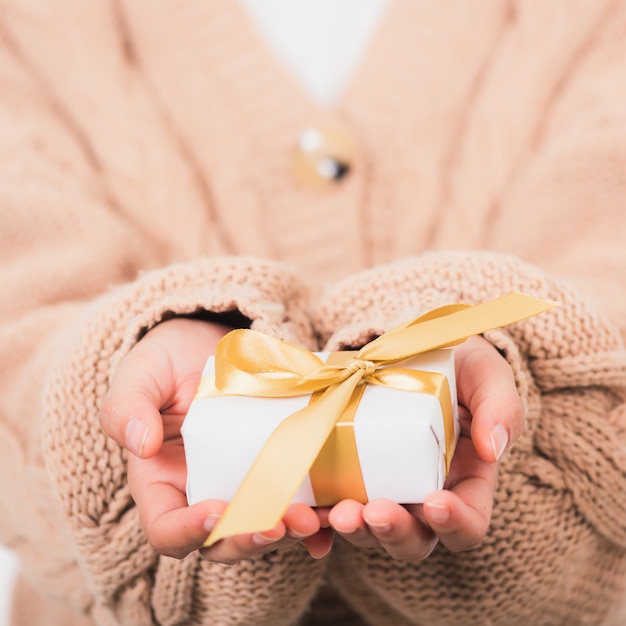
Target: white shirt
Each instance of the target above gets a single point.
(320, 41)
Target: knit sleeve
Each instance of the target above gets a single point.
(66, 507)
(129, 580)
(562, 487)
(82, 278)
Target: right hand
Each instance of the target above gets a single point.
(143, 411)
(492, 418)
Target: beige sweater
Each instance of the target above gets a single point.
(146, 151)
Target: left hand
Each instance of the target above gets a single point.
(491, 416)
(143, 411)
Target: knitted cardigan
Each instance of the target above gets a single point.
(146, 152)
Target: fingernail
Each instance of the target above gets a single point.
(210, 522)
(499, 440)
(136, 435)
(379, 527)
(439, 513)
(345, 530)
(320, 556)
(262, 540)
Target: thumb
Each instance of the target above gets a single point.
(130, 412)
(487, 388)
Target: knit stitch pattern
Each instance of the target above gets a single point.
(146, 152)
(563, 485)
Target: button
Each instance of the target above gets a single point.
(323, 157)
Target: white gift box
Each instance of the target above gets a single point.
(399, 435)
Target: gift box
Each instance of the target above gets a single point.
(272, 423)
(399, 435)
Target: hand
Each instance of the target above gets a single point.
(143, 411)
(491, 416)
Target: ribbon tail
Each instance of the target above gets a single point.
(454, 326)
(283, 463)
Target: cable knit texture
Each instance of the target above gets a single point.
(562, 485)
(146, 152)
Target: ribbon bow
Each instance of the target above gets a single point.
(253, 364)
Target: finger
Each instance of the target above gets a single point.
(398, 531)
(130, 411)
(158, 489)
(304, 524)
(346, 518)
(173, 528)
(299, 523)
(322, 513)
(461, 515)
(231, 550)
(133, 421)
(319, 544)
(486, 387)
(147, 381)
(178, 532)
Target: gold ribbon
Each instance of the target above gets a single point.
(336, 472)
(253, 364)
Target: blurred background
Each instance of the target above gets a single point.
(8, 568)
